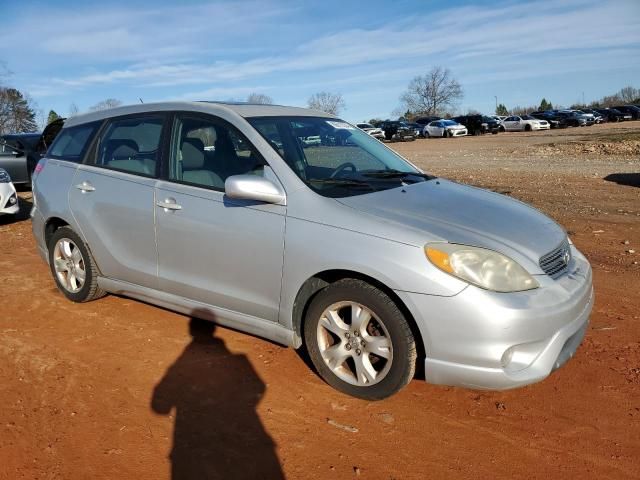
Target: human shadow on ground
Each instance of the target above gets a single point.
(630, 179)
(214, 394)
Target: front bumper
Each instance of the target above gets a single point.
(9, 203)
(487, 340)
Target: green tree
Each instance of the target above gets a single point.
(16, 112)
(53, 116)
(501, 110)
(544, 105)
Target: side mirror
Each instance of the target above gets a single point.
(253, 187)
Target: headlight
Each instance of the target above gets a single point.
(4, 176)
(481, 267)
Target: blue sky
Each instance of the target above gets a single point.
(81, 51)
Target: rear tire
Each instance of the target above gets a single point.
(74, 270)
(359, 341)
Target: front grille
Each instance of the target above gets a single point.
(556, 262)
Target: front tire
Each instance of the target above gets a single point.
(73, 268)
(359, 341)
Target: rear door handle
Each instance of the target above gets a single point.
(169, 204)
(86, 187)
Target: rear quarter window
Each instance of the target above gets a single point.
(72, 143)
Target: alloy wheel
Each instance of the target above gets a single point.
(69, 265)
(354, 343)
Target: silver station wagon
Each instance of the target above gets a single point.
(296, 226)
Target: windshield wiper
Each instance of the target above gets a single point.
(396, 174)
(349, 182)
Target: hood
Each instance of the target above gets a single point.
(448, 211)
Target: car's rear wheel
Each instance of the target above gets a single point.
(72, 266)
(359, 341)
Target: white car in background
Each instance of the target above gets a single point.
(444, 128)
(524, 123)
(8, 195)
(371, 130)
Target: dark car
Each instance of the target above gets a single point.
(427, 119)
(613, 114)
(397, 130)
(629, 110)
(417, 128)
(20, 152)
(478, 124)
(554, 120)
(572, 119)
(599, 118)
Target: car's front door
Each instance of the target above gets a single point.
(511, 123)
(221, 252)
(112, 198)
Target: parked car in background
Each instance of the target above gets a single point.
(629, 110)
(445, 128)
(572, 119)
(588, 119)
(478, 124)
(524, 123)
(614, 115)
(20, 152)
(311, 141)
(550, 117)
(417, 128)
(425, 120)
(397, 130)
(371, 130)
(379, 262)
(8, 196)
(598, 117)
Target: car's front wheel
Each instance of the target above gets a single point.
(359, 341)
(72, 266)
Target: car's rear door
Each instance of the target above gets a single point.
(218, 251)
(112, 197)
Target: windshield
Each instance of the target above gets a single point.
(527, 117)
(334, 158)
(449, 123)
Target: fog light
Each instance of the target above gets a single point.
(12, 200)
(506, 357)
(519, 357)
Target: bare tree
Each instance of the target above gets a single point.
(105, 104)
(432, 93)
(259, 98)
(629, 94)
(328, 102)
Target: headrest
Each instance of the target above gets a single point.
(192, 154)
(118, 149)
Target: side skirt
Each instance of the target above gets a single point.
(228, 318)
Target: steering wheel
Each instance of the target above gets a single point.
(342, 167)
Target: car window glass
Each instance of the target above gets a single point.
(71, 143)
(333, 157)
(207, 152)
(131, 145)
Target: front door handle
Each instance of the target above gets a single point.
(85, 187)
(169, 204)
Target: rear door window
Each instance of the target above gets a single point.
(132, 145)
(72, 143)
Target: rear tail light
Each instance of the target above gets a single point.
(40, 166)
